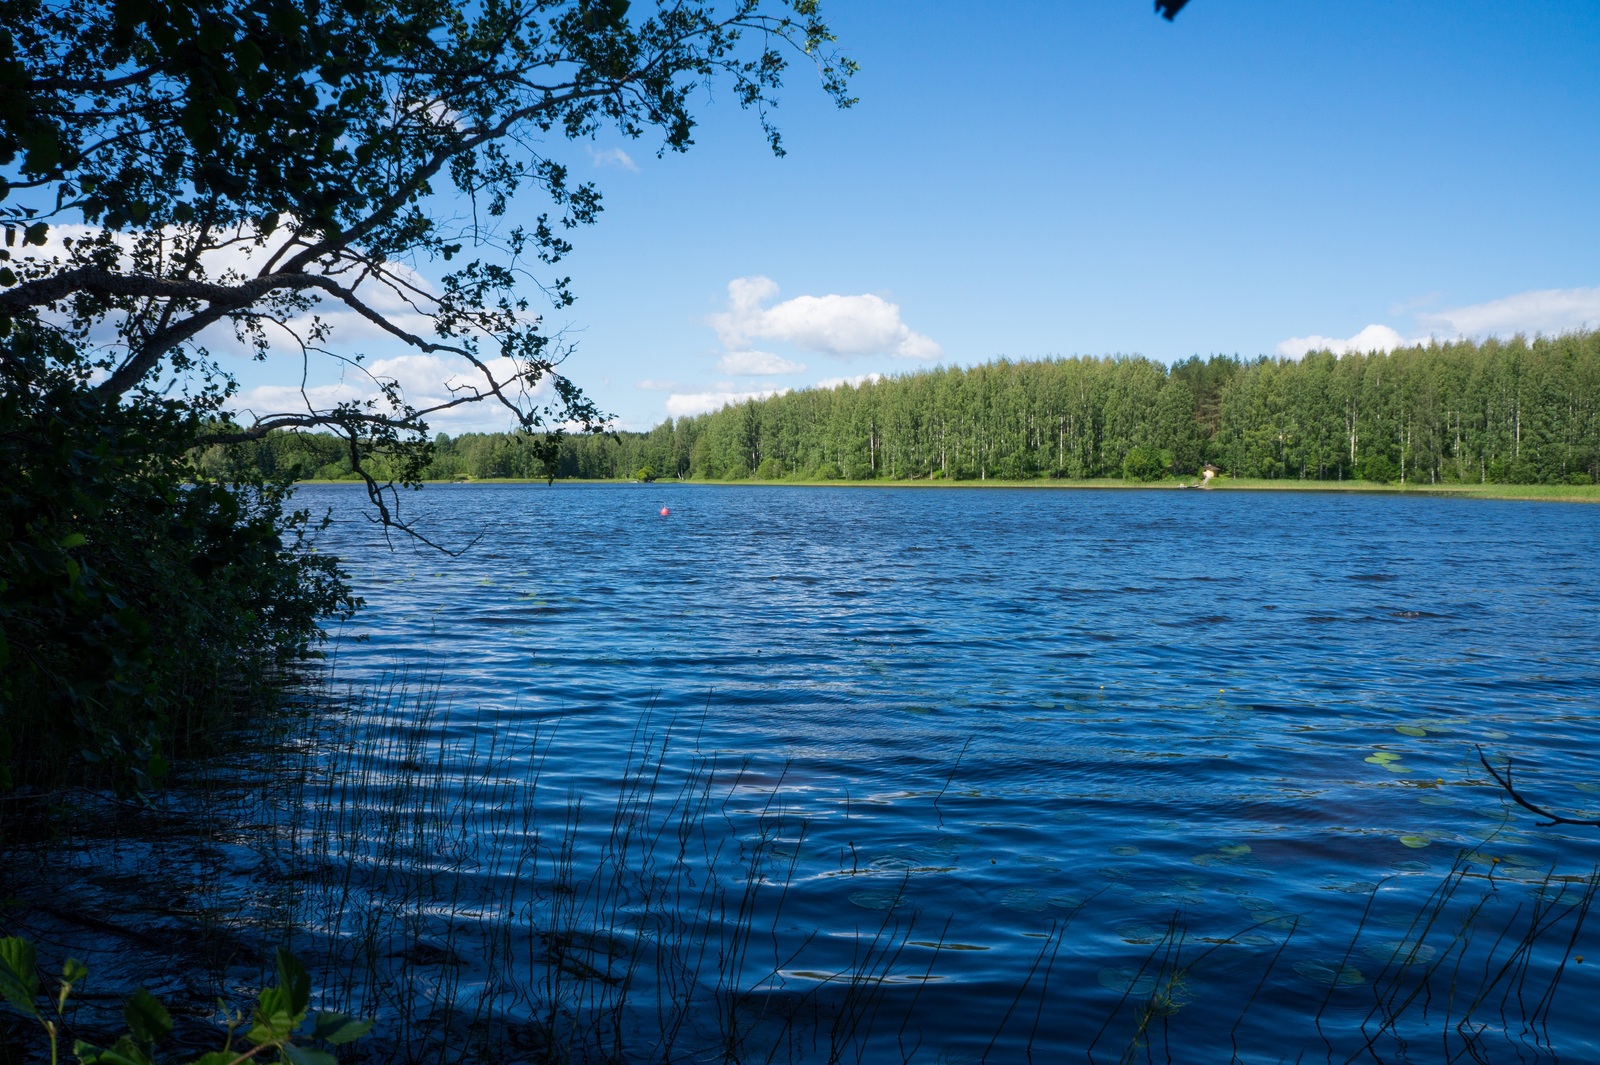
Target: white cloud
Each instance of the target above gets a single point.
(857, 380)
(1550, 310)
(244, 257)
(828, 325)
(424, 380)
(1373, 338)
(659, 386)
(613, 157)
(680, 404)
(756, 364)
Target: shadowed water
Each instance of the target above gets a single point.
(1234, 714)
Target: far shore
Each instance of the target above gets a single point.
(1564, 493)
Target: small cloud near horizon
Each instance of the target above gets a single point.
(1546, 311)
(681, 404)
(1373, 338)
(857, 380)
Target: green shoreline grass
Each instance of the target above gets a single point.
(1563, 493)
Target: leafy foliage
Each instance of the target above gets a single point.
(281, 1020)
(245, 165)
(135, 595)
(1144, 463)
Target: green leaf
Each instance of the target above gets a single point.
(123, 1052)
(8, 277)
(337, 1029)
(217, 1057)
(147, 1018)
(36, 233)
(74, 971)
(295, 981)
(19, 974)
(306, 1056)
(270, 1021)
(73, 539)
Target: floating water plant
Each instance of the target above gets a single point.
(1330, 974)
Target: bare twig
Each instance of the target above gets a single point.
(1505, 785)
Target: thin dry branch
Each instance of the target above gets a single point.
(1505, 785)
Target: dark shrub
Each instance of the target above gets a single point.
(135, 596)
(1378, 470)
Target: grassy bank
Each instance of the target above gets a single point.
(1587, 493)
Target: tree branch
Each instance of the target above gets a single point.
(1505, 785)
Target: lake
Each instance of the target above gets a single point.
(960, 774)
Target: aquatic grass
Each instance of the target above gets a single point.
(437, 872)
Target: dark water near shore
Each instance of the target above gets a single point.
(1247, 716)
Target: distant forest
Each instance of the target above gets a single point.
(1501, 411)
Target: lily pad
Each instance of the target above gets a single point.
(1332, 974)
(1410, 730)
(1127, 979)
(1382, 758)
(1415, 842)
(1402, 952)
(878, 898)
(1024, 900)
(1141, 932)
(1124, 849)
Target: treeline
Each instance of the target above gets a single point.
(1504, 411)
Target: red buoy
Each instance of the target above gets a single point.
(665, 512)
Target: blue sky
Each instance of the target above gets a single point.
(1059, 178)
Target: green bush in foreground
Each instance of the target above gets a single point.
(137, 599)
(281, 1020)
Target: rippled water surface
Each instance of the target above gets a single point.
(1185, 721)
